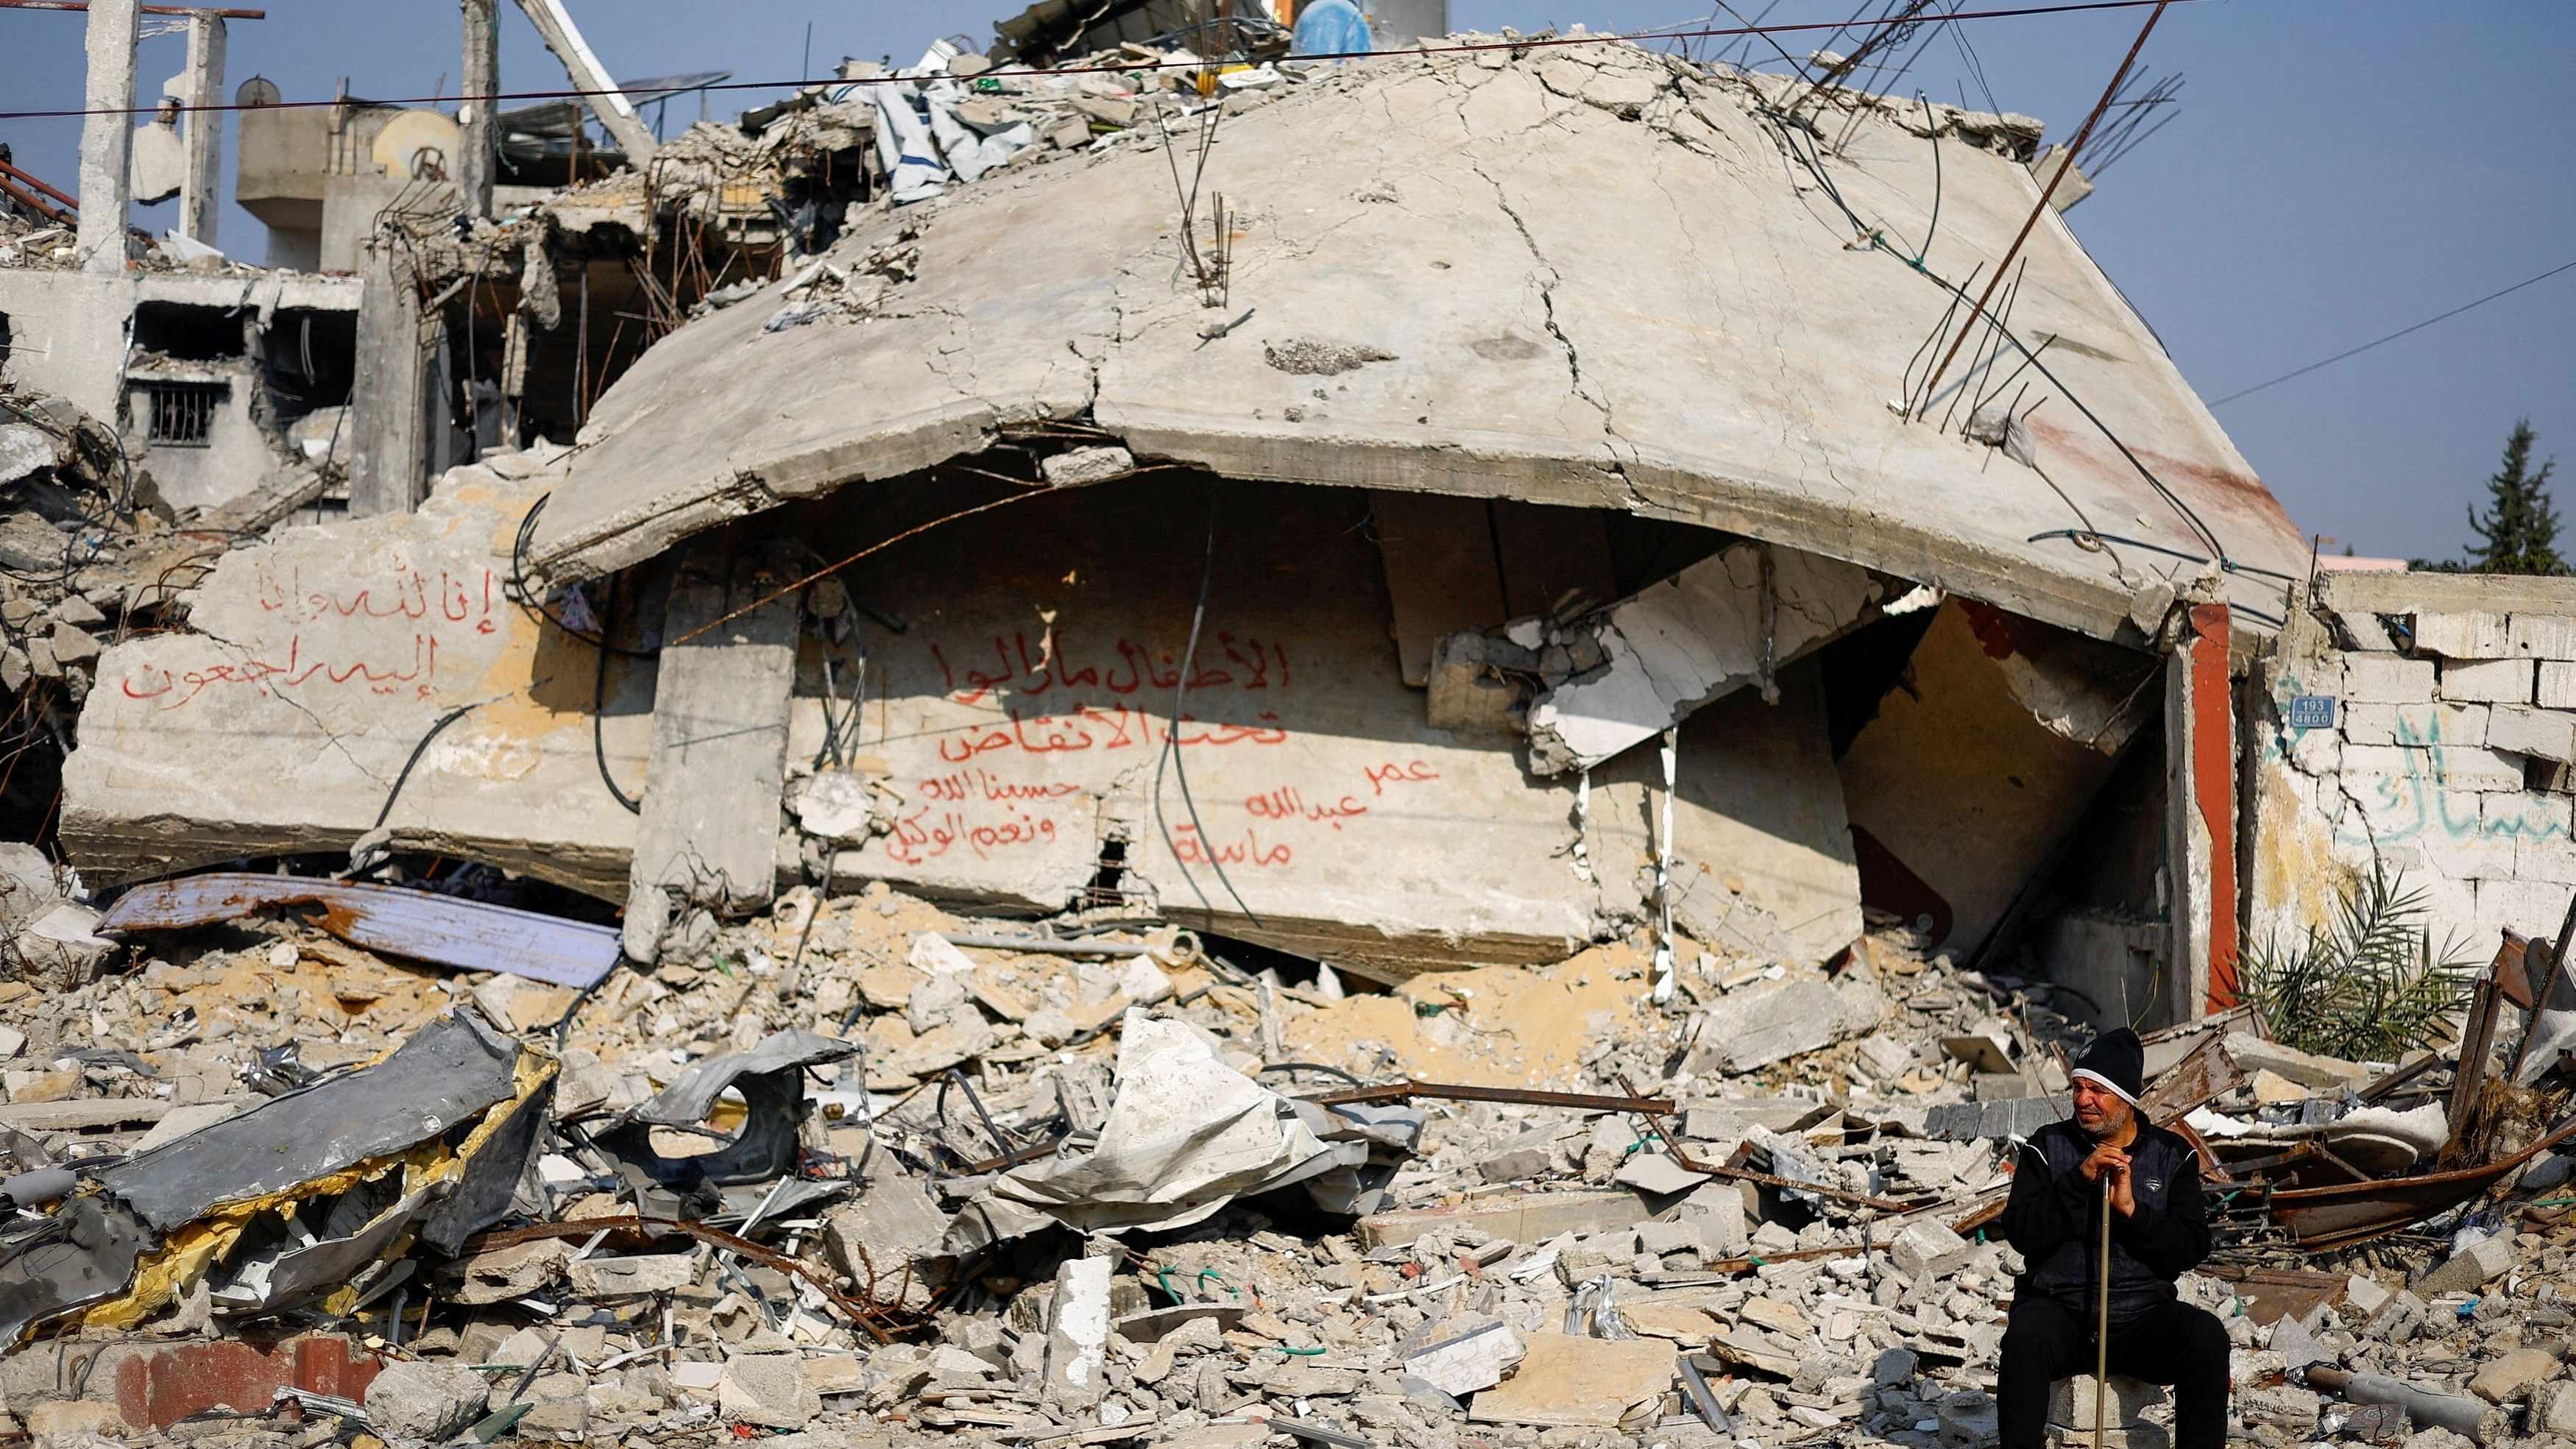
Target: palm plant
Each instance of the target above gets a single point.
(2367, 986)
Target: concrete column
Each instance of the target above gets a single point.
(201, 186)
(2200, 813)
(107, 140)
(390, 403)
(482, 78)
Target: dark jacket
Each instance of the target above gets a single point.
(2051, 1220)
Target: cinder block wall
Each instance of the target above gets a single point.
(2444, 755)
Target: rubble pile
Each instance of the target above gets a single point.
(863, 1168)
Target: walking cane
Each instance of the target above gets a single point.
(2102, 1320)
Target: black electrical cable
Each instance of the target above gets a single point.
(599, 704)
(1171, 754)
(449, 718)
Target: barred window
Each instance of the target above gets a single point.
(183, 413)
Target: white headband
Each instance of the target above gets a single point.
(2105, 1083)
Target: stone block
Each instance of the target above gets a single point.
(2557, 684)
(1927, 1247)
(2397, 1319)
(2542, 636)
(1718, 1209)
(642, 1273)
(2488, 681)
(420, 1400)
(1530, 1217)
(59, 1419)
(2469, 1269)
(2468, 634)
(1532, 1154)
(2286, 1407)
(1967, 1420)
(2070, 1403)
(1753, 1028)
(2472, 767)
(2386, 679)
(2547, 734)
(2512, 1376)
(769, 1390)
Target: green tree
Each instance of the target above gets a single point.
(2519, 534)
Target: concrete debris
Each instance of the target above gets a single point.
(509, 939)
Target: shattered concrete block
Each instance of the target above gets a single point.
(2469, 1269)
(1469, 1362)
(2287, 1407)
(2070, 1404)
(642, 1273)
(512, 1272)
(1568, 1382)
(2396, 1320)
(2514, 1375)
(1927, 1247)
(1675, 646)
(70, 1420)
(1531, 1154)
(2552, 1409)
(422, 1400)
(1077, 1339)
(768, 1389)
(74, 645)
(1468, 691)
(891, 1227)
(2305, 1068)
(2364, 1295)
(1657, 1175)
(1662, 1239)
(1894, 1368)
(1753, 1028)
(1077, 466)
(1718, 1209)
(1967, 1420)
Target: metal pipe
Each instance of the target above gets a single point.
(2476, 1418)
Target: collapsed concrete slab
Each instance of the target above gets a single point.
(1499, 342)
(1726, 622)
(360, 674)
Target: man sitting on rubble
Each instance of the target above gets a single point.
(2159, 1229)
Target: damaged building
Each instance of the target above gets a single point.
(1637, 566)
(1044, 748)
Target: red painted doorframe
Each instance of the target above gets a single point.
(2213, 784)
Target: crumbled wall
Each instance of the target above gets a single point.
(2444, 761)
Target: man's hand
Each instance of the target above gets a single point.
(2115, 1162)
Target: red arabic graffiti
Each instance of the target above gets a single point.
(1191, 850)
(1286, 803)
(918, 839)
(965, 786)
(1381, 776)
(411, 675)
(1033, 667)
(405, 593)
(1089, 728)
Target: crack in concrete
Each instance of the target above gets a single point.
(1547, 277)
(330, 736)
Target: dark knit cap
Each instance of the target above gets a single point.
(2118, 1059)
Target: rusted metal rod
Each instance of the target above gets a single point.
(1672, 1145)
(14, 174)
(2065, 164)
(1519, 1096)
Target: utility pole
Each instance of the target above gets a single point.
(201, 184)
(107, 137)
(482, 132)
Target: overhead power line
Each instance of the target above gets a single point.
(2393, 336)
(1534, 42)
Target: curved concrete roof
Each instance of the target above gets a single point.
(1588, 275)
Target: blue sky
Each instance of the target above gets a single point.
(2340, 169)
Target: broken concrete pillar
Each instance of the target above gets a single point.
(1077, 1341)
(599, 89)
(709, 831)
(1723, 623)
(480, 146)
(107, 136)
(202, 125)
(390, 400)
